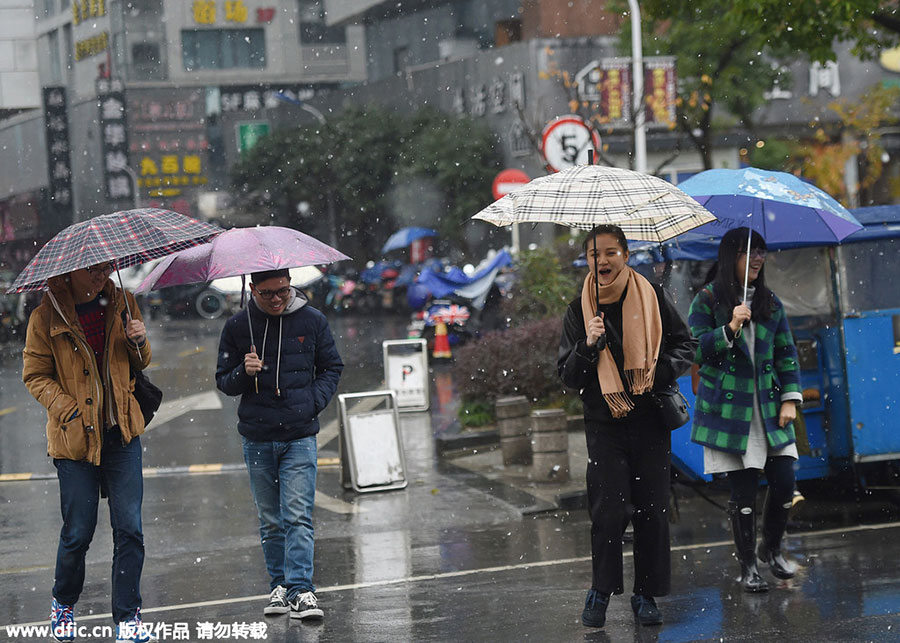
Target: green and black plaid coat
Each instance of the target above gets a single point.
(724, 404)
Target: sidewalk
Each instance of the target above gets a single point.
(478, 451)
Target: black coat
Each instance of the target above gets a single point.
(577, 363)
(291, 395)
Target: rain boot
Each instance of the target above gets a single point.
(775, 519)
(743, 526)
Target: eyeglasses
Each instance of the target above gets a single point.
(101, 269)
(281, 293)
(758, 253)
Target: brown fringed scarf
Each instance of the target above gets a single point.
(641, 337)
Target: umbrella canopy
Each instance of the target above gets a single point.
(646, 207)
(125, 238)
(300, 277)
(783, 208)
(780, 206)
(241, 251)
(405, 236)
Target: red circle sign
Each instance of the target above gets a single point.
(507, 181)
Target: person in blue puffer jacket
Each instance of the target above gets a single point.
(279, 355)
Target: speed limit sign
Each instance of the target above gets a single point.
(566, 141)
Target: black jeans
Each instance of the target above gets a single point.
(628, 479)
(79, 496)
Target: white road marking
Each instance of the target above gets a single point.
(337, 506)
(465, 572)
(175, 408)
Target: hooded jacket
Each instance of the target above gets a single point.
(300, 373)
(61, 372)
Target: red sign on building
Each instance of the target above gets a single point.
(608, 85)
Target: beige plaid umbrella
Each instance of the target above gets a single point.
(646, 207)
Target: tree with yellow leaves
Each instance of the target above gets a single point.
(823, 158)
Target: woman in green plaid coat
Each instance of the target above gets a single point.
(747, 400)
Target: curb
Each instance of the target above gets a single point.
(451, 438)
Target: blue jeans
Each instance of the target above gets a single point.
(120, 476)
(283, 482)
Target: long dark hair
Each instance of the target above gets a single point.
(726, 285)
(606, 228)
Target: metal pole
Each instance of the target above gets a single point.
(134, 182)
(637, 84)
(315, 112)
(329, 195)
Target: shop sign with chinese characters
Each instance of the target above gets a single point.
(58, 158)
(607, 84)
(168, 140)
(211, 12)
(503, 93)
(114, 139)
(92, 46)
(83, 10)
(251, 98)
(168, 174)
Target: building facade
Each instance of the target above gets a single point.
(518, 84)
(153, 100)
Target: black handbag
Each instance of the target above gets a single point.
(147, 394)
(673, 407)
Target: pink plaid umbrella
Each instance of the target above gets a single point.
(124, 238)
(241, 251)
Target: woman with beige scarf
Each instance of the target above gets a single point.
(623, 339)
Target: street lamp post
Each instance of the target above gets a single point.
(637, 66)
(329, 196)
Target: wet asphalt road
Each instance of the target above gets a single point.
(450, 558)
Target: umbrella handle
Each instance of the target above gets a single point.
(746, 277)
(255, 377)
(127, 306)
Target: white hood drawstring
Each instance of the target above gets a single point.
(278, 362)
(265, 334)
(297, 302)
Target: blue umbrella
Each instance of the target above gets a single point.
(405, 236)
(781, 207)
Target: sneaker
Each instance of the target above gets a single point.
(305, 605)
(133, 630)
(594, 614)
(62, 621)
(277, 602)
(645, 610)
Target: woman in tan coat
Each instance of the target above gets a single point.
(80, 350)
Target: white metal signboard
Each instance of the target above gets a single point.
(371, 448)
(406, 372)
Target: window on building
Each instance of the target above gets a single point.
(223, 49)
(507, 31)
(313, 30)
(69, 50)
(53, 52)
(144, 7)
(145, 61)
(401, 59)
